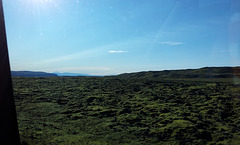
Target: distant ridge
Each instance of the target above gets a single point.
(32, 74)
(206, 72)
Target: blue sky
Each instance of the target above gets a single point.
(102, 37)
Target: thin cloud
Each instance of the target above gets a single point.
(156, 41)
(171, 43)
(119, 51)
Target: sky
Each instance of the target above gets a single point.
(105, 37)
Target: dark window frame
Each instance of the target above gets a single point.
(9, 133)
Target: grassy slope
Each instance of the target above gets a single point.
(207, 72)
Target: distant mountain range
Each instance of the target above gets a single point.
(70, 74)
(32, 74)
(43, 74)
(206, 72)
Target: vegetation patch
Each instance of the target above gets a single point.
(109, 110)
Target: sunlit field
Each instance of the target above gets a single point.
(116, 110)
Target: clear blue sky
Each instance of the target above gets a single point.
(103, 37)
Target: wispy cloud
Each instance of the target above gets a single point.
(171, 43)
(157, 41)
(118, 51)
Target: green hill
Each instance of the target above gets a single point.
(206, 72)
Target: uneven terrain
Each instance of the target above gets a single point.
(111, 110)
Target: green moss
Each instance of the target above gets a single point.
(82, 110)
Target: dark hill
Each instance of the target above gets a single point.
(31, 74)
(206, 72)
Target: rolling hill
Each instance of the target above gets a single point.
(206, 72)
(32, 74)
